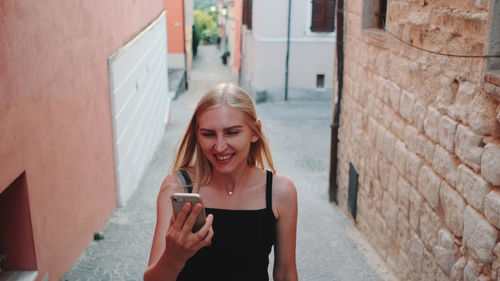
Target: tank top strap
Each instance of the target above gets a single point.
(269, 190)
(186, 180)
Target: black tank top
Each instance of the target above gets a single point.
(240, 246)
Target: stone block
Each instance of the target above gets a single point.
(446, 93)
(431, 124)
(411, 138)
(463, 98)
(416, 202)
(403, 232)
(428, 185)
(380, 232)
(482, 4)
(416, 253)
(447, 130)
(469, 147)
(419, 116)
(406, 106)
(479, 236)
(404, 190)
(472, 270)
(428, 266)
(372, 130)
(482, 116)
(378, 194)
(445, 164)
(430, 224)
(383, 168)
(413, 164)
(472, 187)
(394, 94)
(390, 212)
(388, 116)
(426, 148)
(419, 18)
(454, 206)
(495, 266)
(398, 126)
(490, 163)
(399, 160)
(380, 138)
(392, 186)
(404, 266)
(492, 207)
(441, 276)
(389, 143)
(457, 271)
(446, 250)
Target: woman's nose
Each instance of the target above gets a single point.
(220, 144)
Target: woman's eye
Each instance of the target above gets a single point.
(233, 132)
(208, 134)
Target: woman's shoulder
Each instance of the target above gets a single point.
(171, 184)
(283, 188)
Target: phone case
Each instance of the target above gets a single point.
(178, 200)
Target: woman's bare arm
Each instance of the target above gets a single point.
(173, 241)
(285, 202)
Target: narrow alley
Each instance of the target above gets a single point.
(329, 247)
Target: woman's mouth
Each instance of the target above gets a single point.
(224, 157)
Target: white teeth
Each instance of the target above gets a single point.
(224, 157)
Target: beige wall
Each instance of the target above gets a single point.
(55, 119)
(423, 132)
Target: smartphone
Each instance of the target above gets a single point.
(178, 200)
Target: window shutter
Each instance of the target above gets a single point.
(247, 13)
(323, 15)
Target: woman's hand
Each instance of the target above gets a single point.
(180, 242)
(174, 243)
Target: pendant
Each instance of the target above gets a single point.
(230, 193)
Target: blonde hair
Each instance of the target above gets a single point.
(189, 153)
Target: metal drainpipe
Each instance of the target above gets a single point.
(186, 85)
(336, 119)
(287, 49)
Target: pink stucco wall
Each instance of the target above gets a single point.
(238, 13)
(55, 119)
(175, 25)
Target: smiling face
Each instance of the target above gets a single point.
(225, 138)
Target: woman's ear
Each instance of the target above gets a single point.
(255, 136)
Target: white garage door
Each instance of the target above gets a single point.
(139, 101)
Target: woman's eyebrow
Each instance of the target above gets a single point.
(233, 127)
(225, 129)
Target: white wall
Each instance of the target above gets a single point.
(139, 100)
(264, 50)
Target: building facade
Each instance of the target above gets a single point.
(58, 183)
(264, 39)
(419, 140)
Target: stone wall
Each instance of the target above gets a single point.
(423, 132)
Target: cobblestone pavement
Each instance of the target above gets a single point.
(328, 246)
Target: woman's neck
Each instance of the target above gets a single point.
(231, 182)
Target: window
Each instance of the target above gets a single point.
(323, 15)
(320, 80)
(382, 14)
(17, 248)
(494, 49)
(374, 13)
(247, 13)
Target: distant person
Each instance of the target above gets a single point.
(224, 153)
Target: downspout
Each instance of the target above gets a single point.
(336, 116)
(184, 43)
(287, 49)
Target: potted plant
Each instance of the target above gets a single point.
(224, 57)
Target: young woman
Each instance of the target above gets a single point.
(250, 209)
